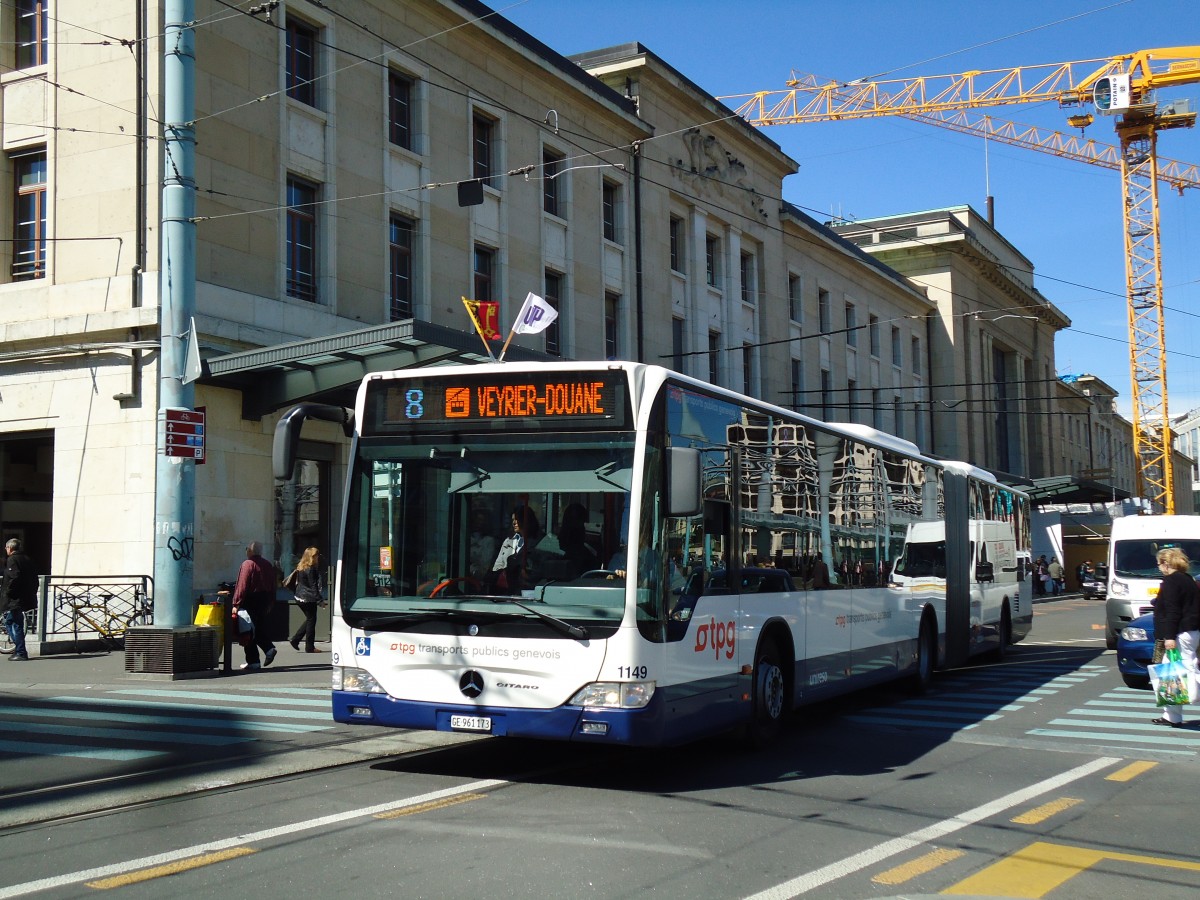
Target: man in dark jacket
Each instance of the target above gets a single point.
(19, 593)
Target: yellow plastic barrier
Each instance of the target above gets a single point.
(209, 614)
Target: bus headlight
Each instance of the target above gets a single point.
(360, 680)
(614, 695)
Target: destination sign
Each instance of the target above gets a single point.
(522, 400)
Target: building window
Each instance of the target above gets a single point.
(553, 296)
(797, 384)
(795, 298)
(823, 311)
(552, 167)
(485, 274)
(302, 62)
(610, 211)
(826, 395)
(714, 357)
(898, 416)
(29, 221)
(851, 326)
(32, 43)
(711, 260)
(747, 273)
(483, 132)
(400, 251)
(877, 409)
(873, 330)
(677, 344)
(748, 369)
(676, 244)
(896, 360)
(400, 116)
(916, 356)
(851, 400)
(612, 310)
(301, 239)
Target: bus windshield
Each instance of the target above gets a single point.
(537, 518)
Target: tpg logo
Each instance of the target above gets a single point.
(717, 635)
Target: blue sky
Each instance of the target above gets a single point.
(1064, 216)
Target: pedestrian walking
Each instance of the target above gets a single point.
(255, 593)
(1055, 571)
(1176, 620)
(309, 586)
(19, 592)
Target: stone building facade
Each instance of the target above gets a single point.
(359, 170)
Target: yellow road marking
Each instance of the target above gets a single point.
(1041, 867)
(182, 865)
(426, 807)
(918, 866)
(1131, 771)
(1045, 811)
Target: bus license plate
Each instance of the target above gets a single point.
(470, 723)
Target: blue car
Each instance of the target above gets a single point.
(1135, 650)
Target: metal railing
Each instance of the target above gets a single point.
(94, 607)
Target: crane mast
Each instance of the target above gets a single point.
(1122, 86)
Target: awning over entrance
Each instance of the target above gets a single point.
(1070, 489)
(329, 369)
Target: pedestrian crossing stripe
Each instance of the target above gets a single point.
(171, 719)
(227, 699)
(32, 748)
(244, 712)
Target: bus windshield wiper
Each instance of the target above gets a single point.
(576, 631)
(378, 622)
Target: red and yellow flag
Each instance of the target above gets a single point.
(485, 316)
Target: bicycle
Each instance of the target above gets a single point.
(98, 619)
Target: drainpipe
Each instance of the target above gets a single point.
(175, 482)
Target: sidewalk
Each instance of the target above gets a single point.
(49, 666)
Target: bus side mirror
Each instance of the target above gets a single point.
(984, 571)
(683, 481)
(286, 442)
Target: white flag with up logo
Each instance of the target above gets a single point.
(536, 315)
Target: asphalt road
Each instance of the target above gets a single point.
(1038, 776)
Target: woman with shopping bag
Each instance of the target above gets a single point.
(1176, 622)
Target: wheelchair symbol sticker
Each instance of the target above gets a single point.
(362, 646)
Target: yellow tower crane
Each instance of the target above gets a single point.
(1120, 86)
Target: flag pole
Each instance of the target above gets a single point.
(516, 322)
(507, 341)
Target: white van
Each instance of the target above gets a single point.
(1133, 576)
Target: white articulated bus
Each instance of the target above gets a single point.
(612, 552)
(1133, 576)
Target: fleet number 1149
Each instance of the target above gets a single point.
(632, 671)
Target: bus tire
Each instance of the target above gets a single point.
(769, 697)
(926, 656)
(1004, 633)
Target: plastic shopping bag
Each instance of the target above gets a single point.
(1170, 680)
(244, 627)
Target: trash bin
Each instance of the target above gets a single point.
(211, 615)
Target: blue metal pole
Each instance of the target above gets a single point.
(175, 481)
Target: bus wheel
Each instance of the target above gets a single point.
(926, 657)
(770, 695)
